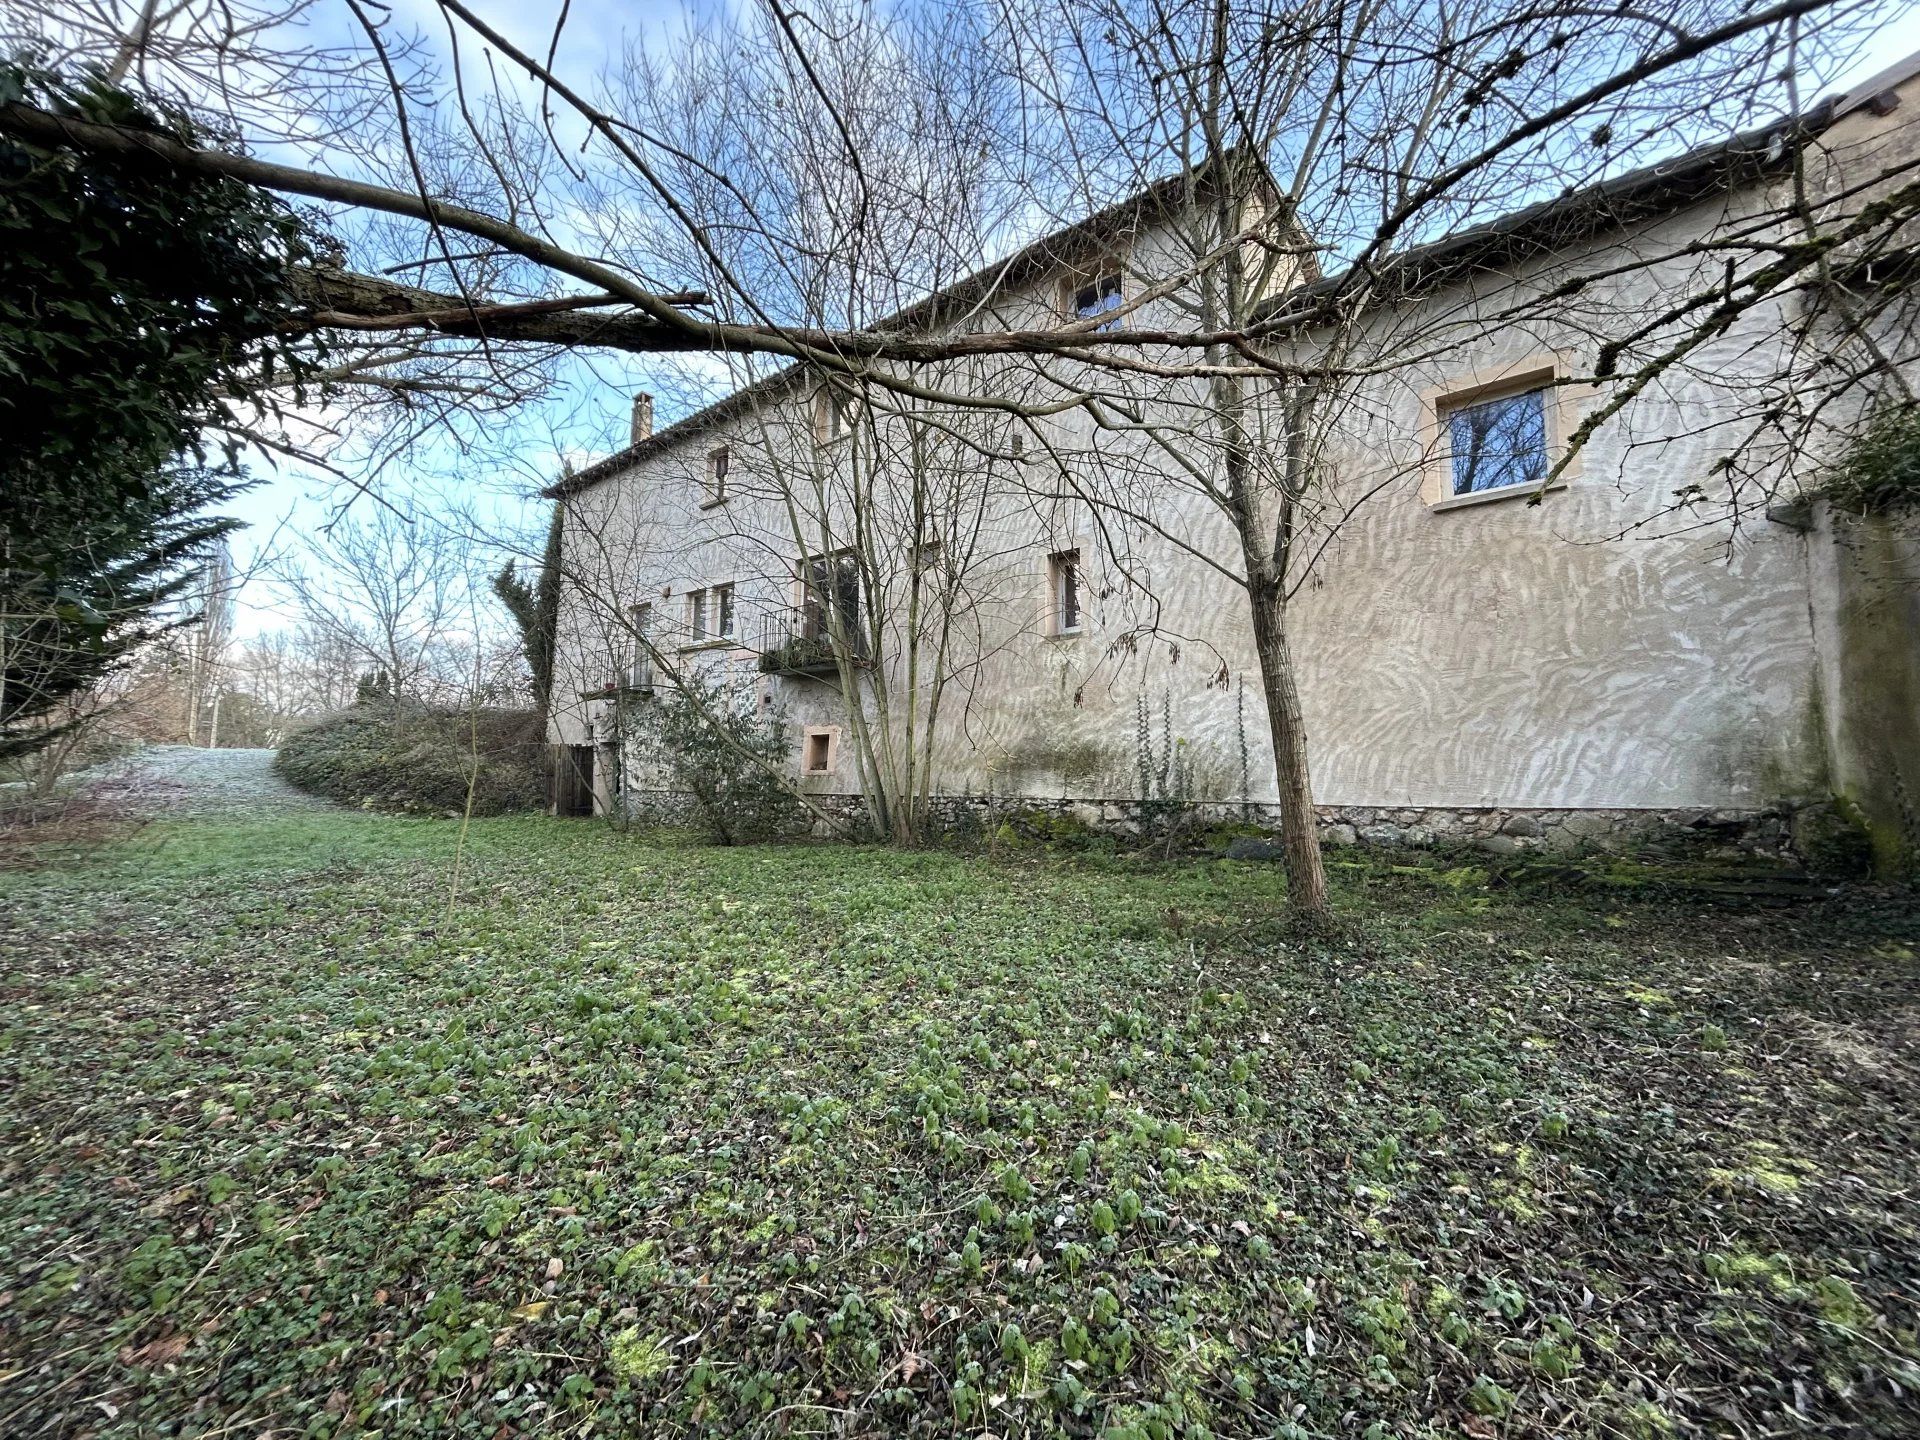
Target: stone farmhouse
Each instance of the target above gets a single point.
(996, 610)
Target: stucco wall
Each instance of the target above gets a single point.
(1597, 650)
(1866, 608)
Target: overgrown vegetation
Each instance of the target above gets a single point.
(799, 655)
(307, 1133)
(134, 308)
(535, 608)
(394, 755)
(709, 740)
(1879, 474)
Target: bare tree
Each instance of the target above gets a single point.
(204, 646)
(290, 676)
(874, 520)
(1307, 174)
(389, 592)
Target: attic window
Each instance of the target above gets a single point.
(719, 462)
(832, 415)
(1102, 294)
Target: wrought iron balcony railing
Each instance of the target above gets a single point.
(792, 643)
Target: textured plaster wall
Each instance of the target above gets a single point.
(1866, 591)
(1593, 651)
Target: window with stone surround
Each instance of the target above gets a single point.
(1496, 433)
(1063, 591)
(817, 746)
(1495, 443)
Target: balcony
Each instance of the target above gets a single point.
(799, 655)
(635, 678)
(786, 648)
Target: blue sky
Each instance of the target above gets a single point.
(588, 415)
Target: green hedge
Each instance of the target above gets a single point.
(379, 756)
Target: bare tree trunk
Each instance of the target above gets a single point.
(1262, 511)
(135, 42)
(1299, 838)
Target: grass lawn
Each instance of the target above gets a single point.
(305, 1134)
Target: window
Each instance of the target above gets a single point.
(718, 464)
(926, 557)
(1093, 298)
(640, 670)
(1496, 443)
(833, 592)
(710, 614)
(1493, 435)
(816, 751)
(1063, 573)
(832, 415)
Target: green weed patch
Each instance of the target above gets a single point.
(342, 1125)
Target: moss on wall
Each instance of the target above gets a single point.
(1877, 623)
(1048, 756)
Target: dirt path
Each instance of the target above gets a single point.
(179, 780)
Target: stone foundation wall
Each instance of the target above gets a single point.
(1498, 830)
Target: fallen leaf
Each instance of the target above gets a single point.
(155, 1353)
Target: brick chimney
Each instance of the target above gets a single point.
(642, 417)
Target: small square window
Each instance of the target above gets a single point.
(1063, 574)
(816, 752)
(718, 464)
(1100, 295)
(1496, 443)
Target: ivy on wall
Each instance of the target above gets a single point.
(1879, 472)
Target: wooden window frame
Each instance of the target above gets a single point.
(811, 605)
(834, 415)
(1093, 277)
